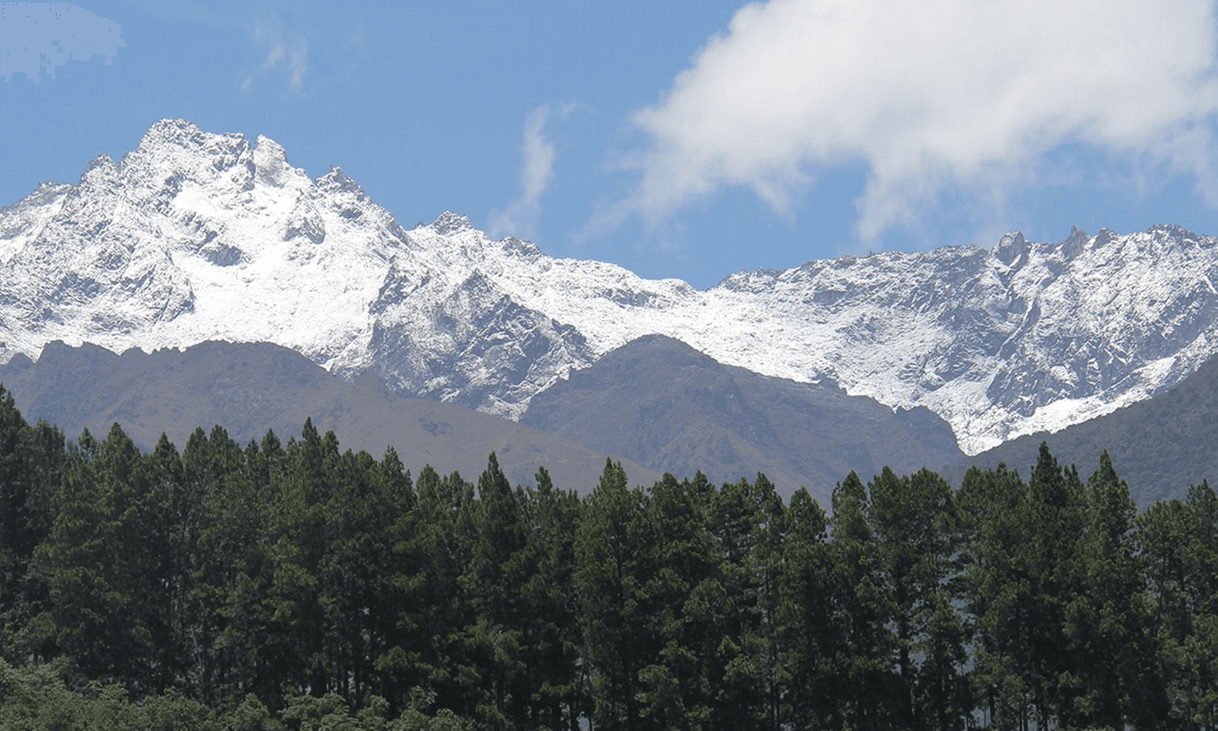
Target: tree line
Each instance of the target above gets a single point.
(297, 585)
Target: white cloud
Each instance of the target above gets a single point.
(298, 64)
(35, 38)
(930, 96)
(292, 54)
(536, 173)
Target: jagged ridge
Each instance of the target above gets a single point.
(197, 236)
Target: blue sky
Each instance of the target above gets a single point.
(682, 139)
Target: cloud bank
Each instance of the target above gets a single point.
(37, 37)
(537, 171)
(929, 96)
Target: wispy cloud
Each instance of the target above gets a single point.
(935, 96)
(536, 173)
(37, 37)
(287, 53)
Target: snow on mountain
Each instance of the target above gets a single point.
(197, 236)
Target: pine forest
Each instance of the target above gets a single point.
(295, 585)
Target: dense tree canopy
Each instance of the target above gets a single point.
(296, 585)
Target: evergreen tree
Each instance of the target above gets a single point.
(431, 551)
(108, 561)
(808, 618)
(32, 462)
(916, 539)
(682, 601)
(1057, 515)
(749, 527)
(168, 540)
(393, 502)
(549, 607)
(1179, 543)
(996, 526)
(360, 510)
(609, 582)
(219, 531)
(1107, 621)
(19, 532)
(862, 661)
(491, 583)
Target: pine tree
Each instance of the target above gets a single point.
(749, 527)
(609, 582)
(1057, 515)
(916, 538)
(232, 566)
(549, 607)
(861, 669)
(18, 532)
(386, 599)
(491, 583)
(431, 553)
(682, 601)
(995, 527)
(32, 461)
(808, 616)
(108, 559)
(1107, 621)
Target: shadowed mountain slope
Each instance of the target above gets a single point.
(249, 388)
(1159, 447)
(667, 406)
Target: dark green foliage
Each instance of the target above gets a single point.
(610, 576)
(32, 462)
(806, 631)
(547, 608)
(1179, 543)
(749, 524)
(1108, 623)
(109, 559)
(861, 671)
(301, 586)
(997, 588)
(917, 541)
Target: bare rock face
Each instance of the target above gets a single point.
(197, 236)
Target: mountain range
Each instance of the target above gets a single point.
(196, 237)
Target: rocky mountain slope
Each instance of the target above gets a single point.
(1160, 446)
(664, 405)
(197, 236)
(249, 388)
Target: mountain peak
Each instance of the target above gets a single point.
(336, 179)
(271, 161)
(1011, 247)
(1173, 230)
(176, 150)
(1075, 242)
(449, 223)
(173, 131)
(169, 135)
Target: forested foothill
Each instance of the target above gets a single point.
(297, 585)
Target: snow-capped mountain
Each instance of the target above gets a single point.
(197, 236)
